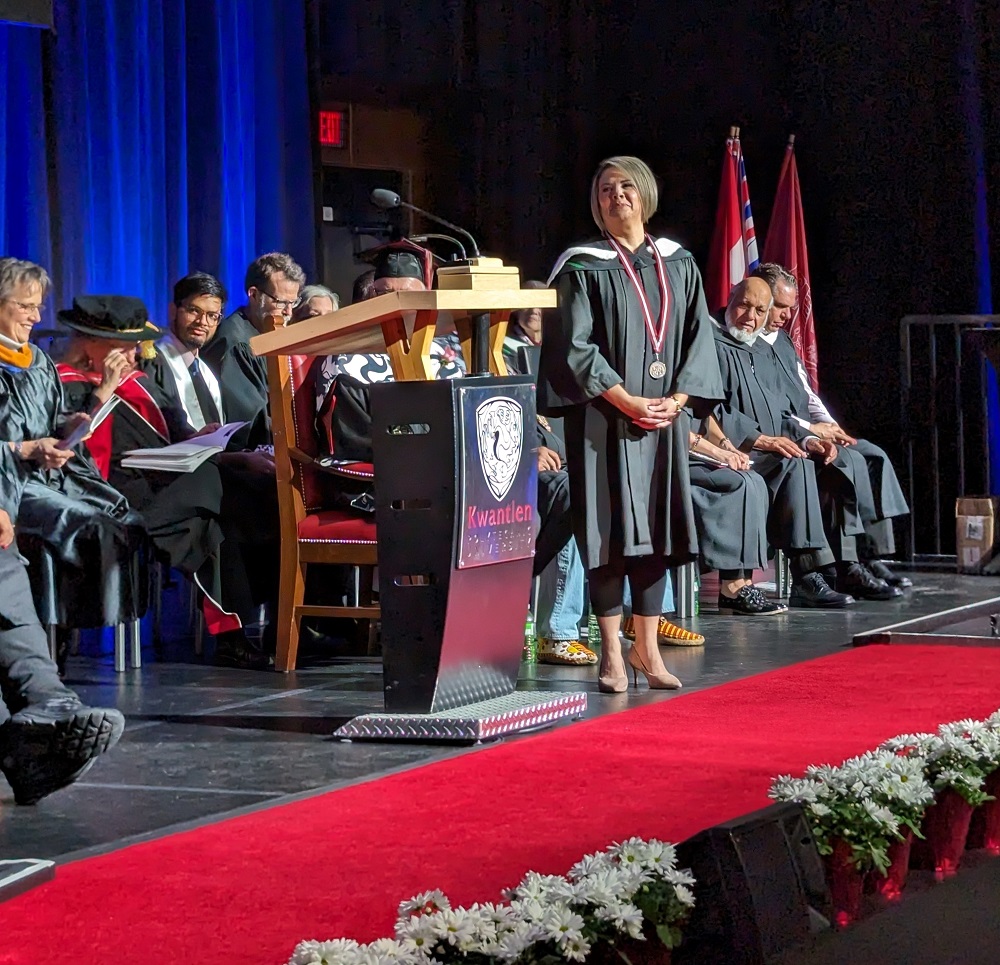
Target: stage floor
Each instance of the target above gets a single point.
(202, 742)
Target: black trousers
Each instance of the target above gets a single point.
(646, 575)
(553, 511)
(27, 672)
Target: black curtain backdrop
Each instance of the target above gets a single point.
(525, 97)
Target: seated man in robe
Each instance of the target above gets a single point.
(87, 544)
(754, 418)
(887, 495)
(187, 515)
(272, 286)
(50, 738)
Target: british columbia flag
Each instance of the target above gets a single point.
(749, 235)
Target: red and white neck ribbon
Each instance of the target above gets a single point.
(658, 332)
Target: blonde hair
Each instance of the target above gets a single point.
(637, 171)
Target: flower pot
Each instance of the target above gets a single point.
(984, 829)
(846, 884)
(891, 886)
(945, 829)
(637, 952)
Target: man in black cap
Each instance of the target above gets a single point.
(50, 738)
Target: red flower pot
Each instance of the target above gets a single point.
(984, 829)
(891, 886)
(846, 884)
(945, 829)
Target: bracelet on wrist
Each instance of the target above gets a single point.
(697, 442)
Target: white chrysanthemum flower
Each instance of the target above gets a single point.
(678, 877)
(417, 933)
(388, 951)
(528, 909)
(338, 951)
(543, 887)
(684, 895)
(589, 864)
(454, 927)
(559, 922)
(426, 903)
(514, 942)
(819, 809)
(574, 948)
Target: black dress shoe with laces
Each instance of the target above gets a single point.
(233, 649)
(813, 591)
(749, 602)
(862, 584)
(882, 572)
(48, 746)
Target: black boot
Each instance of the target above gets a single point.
(858, 580)
(48, 746)
(812, 591)
(233, 649)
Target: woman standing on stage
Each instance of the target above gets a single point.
(630, 347)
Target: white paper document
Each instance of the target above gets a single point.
(84, 429)
(183, 456)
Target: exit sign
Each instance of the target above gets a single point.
(332, 128)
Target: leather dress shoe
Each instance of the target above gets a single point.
(882, 572)
(48, 746)
(233, 649)
(749, 602)
(862, 584)
(814, 592)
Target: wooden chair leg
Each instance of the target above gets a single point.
(291, 593)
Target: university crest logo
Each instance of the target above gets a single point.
(500, 427)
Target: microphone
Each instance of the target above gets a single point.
(428, 237)
(385, 199)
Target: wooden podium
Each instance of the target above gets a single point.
(403, 324)
(455, 499)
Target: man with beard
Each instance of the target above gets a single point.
(808, 523)
(887, 495)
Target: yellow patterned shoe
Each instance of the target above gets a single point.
(570, 652)
(668, 634)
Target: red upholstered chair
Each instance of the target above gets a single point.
(310, 533)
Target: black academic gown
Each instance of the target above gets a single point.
(217, 525)
(630, 489)
(755, 405)
(242, 375)
(85, 542)
(885, 499)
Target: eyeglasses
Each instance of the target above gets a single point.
(26, 307)
(213, 318)
(283, 303)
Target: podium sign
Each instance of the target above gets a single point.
(498, 489)
(453, 597)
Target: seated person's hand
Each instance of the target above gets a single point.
(207, 430)
(46, 452)
(548, 460)
(822, 447)
(831, 432)
(6, 530)
(781, 445)
(732, 458)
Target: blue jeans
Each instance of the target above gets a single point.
(668, 596)
(560, 604)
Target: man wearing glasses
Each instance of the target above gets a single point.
(195, 314)
(273, 283)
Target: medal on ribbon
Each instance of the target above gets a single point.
(657, 332)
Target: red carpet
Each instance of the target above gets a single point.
(246, 890)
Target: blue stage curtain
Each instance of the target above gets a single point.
(24, 205)
(182, 143)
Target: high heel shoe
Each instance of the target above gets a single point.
(656, 681)
(607, 684)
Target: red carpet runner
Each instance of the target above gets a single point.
(246, 890)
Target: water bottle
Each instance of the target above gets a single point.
(697, 594)
(593, 631)
(530, 653)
